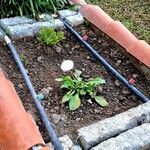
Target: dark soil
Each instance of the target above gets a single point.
(44, 72)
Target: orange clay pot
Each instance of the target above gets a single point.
(97, 16)
(118, 32)
(18, 130)
(141, 50)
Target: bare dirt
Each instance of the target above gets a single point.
(43, 66)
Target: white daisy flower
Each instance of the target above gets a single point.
(67, 65)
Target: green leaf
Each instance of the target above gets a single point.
(97, 81)
(74, 102)
(67, 96)
(101, 101)
(68, 82)
(82, 92)
(67, 85)
(90, 90)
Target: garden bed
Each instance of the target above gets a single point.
(43, 65)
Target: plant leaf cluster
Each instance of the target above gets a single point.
(77, 87)
(49, 36)
(30, 7)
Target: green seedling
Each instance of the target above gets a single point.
(49, 36)
(22, 57)
(77, 87)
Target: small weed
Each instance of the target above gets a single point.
(22, 57)
(49, 36)
(77, 87)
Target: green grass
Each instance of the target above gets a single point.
(30, 7)
(134, 14)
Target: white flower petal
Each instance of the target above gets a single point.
(67, 65)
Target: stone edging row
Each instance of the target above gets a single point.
(19, 27)
(109, 128)
(129, 130)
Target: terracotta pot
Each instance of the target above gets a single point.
(141, 50)
(97, 16)
(18, 130)
(118, 32)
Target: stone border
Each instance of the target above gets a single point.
(134, 139)
(96, 133)
(67, 144)
(19, 27)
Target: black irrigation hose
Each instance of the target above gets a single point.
(54, 139)
(102, 61)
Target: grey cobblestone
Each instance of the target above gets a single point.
(75, 20)
(58, 24)
(20, 31)
(133, 139)
(66, 13)
(96, 133)
(66, 142)
(17, 20)
(19, 27)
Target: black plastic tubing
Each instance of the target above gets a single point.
(51, 132)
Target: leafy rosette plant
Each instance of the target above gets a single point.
(50, 37)
(77, 87)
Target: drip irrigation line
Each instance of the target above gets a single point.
(51, 132)
(102, 61)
